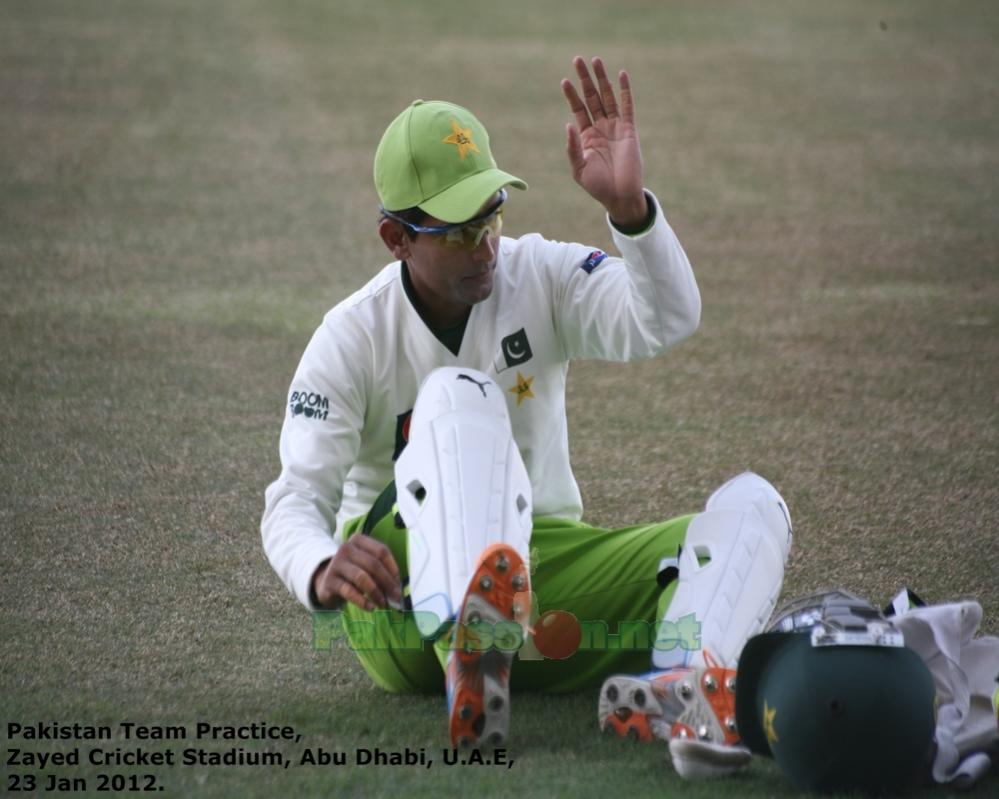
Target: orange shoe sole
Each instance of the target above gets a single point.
(488, 632)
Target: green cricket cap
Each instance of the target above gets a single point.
(436, 156)
(836, 718)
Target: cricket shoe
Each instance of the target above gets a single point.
(694, 703)
(487, 634)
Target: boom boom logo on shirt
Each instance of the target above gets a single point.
(309, 404)
(516, 348)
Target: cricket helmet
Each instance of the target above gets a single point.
(834, 696)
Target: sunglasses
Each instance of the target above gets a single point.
(462, 235)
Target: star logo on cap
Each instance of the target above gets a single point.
(461, 138)
(769, 714)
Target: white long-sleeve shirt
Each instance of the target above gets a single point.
(350, 398)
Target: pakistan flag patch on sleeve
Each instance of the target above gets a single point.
(593, 260)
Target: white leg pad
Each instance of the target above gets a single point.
(731, 569)
(461, 486)
(749, 490)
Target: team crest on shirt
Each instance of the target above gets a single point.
(515, 349)
(523, 388)
(593, 260)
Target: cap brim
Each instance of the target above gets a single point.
(752, 663)
(465, 199)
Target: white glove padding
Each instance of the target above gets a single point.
(964, 670)
(698, 760)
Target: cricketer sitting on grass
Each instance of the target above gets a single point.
(425, 476)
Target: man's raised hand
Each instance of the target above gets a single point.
(603, 147)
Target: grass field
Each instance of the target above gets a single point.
(185, 189)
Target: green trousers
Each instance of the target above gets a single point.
(606, 578)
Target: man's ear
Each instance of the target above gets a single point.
(395, 238)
